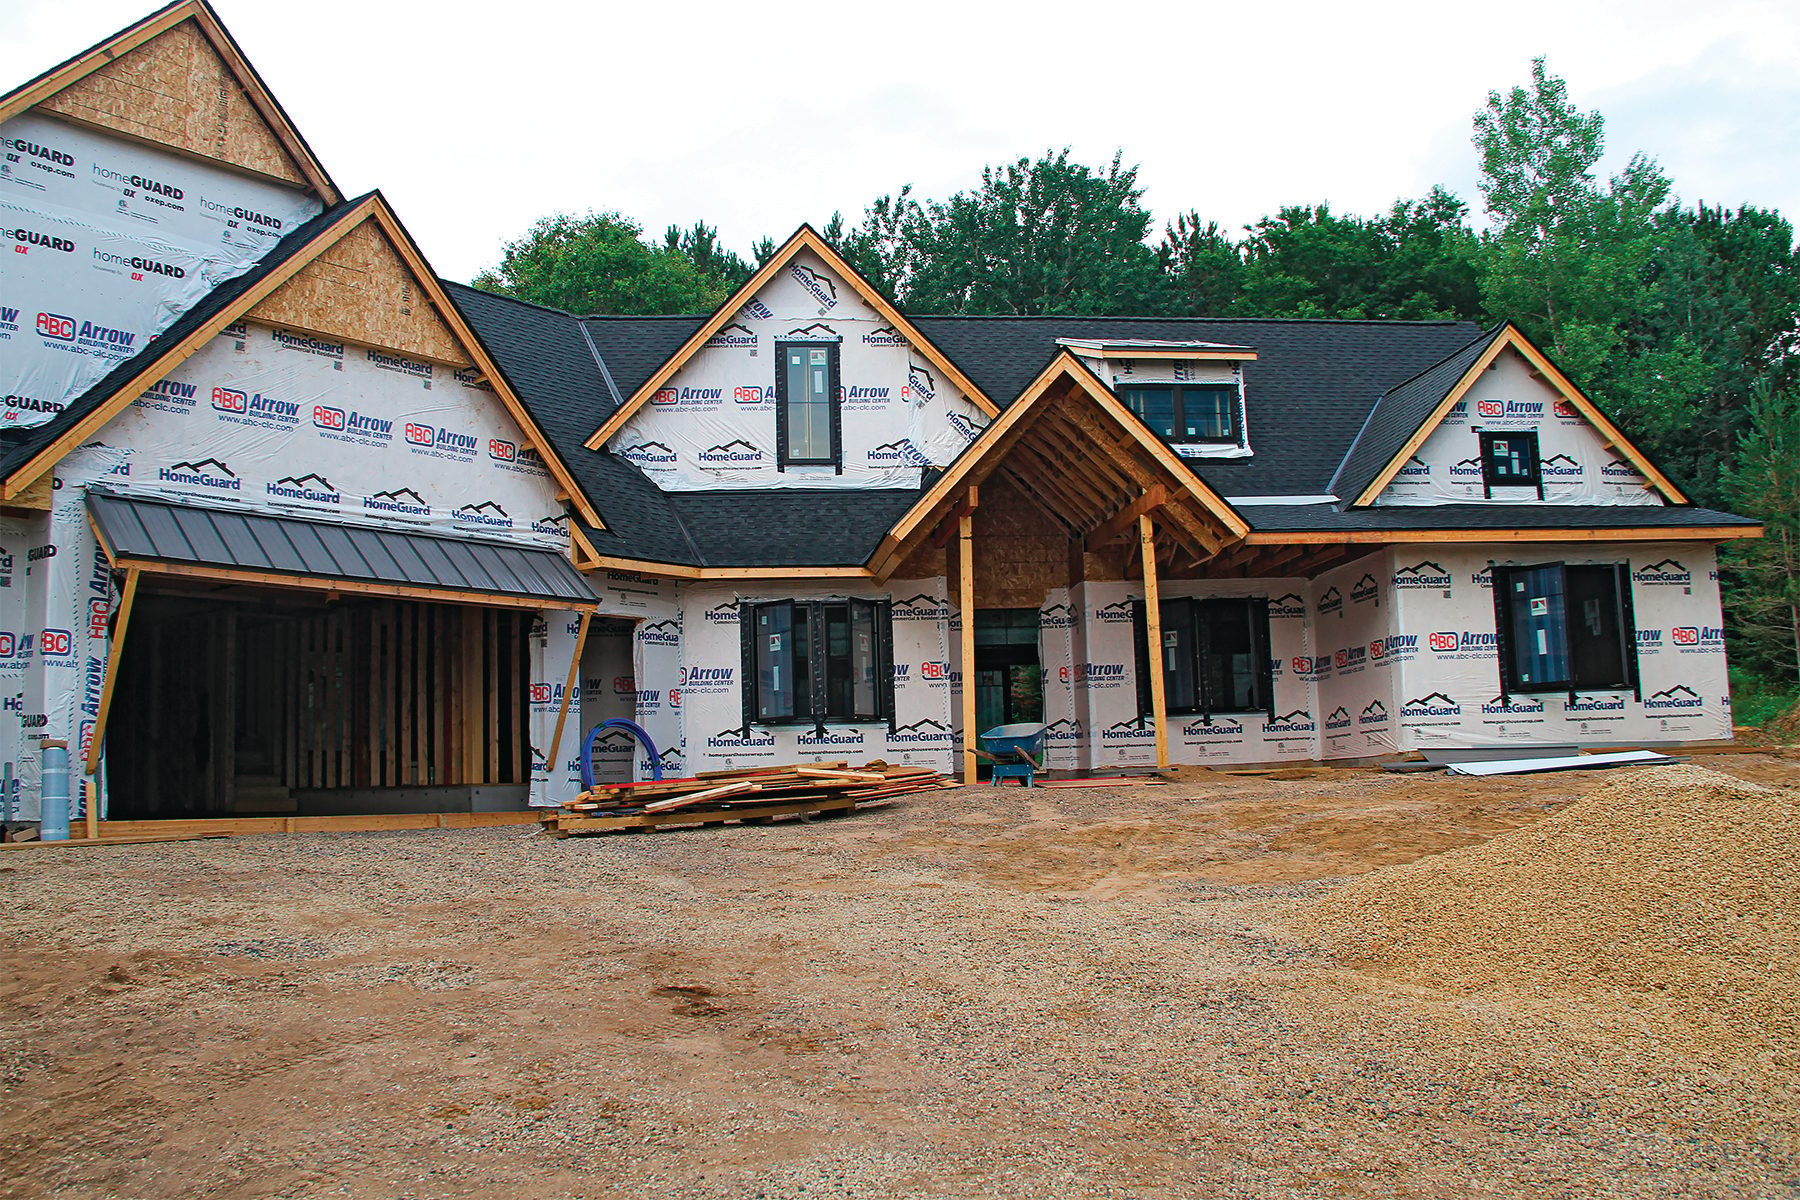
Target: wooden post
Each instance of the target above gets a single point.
(114, 653)
(90, 804)
(1159, 709)
(562, 712)
(965, 530)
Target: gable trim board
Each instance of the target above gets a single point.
(1643, 533)
(158, 360)
(805, 238)
(1065, 365)
(59, 78)
(1509, 336)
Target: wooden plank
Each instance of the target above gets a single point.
(421, 715)
(93, 840)
(568, 825)
(743, 787)
(1136, 510)
(490, 693)
(1159, 708)
(344, 698)
(966, 605)
(562, 711)
(115, 654)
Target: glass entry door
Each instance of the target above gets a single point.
(1009, 679)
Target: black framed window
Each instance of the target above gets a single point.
(1565, 628)
(1215, 656)
(1187, 413)
(1510, 460)
(809, 423)
(807, 662)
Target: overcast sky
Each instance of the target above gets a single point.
(476, 119)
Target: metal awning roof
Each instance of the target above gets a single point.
(250, 547)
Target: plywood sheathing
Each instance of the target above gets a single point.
(359, 290)
(175, 90)
(1024, 552)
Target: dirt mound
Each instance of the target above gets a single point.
(1674, 891)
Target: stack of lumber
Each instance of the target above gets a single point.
(757, 794)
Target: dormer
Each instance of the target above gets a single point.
(1191, 394)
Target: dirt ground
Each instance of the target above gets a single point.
(1078, 992)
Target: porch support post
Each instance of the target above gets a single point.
(1159, 708)
(114, 653)
(965, 601)
(562, 713)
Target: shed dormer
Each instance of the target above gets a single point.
(1191, 394)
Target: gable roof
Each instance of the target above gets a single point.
(105, 56)
(805, 238)
(25, 458)
(1417, 407)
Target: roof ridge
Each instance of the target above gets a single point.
(1485, 335)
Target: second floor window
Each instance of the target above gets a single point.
(808, 424)
(1187, 413)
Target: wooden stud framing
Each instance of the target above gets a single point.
(562, 711)
(965, 583)
(1159, 707)
(114, 654)
(805, 238)
(1131, 515)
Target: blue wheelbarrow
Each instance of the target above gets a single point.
(1016, 751)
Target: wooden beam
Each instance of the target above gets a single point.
(965, 584)
(114, 653)
(1693, 533)
(1159, 707)
(562, 712)
(1140, 507)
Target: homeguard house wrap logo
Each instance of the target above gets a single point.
(920, 386)
(207, 473)
(818, 331)
(1331, 602)
(136, 265)
(554, 525)
(1057, 616)
(735, 455)
(1364, 590)
(238, 408)
(1297, 721)
(1128, 732)
(1289, 606)
(732, 337)
(1214, 729)
(1667, 573)
(1621, 472)
(1467, 470)
(383, 361)
(820, 287)
(1337, 720)
(966, 427)
(1422, 575)
(885, 336)
(922, 607)
(651, 456)
(901, 453)
(1679, 699)
(923, 732)
(36, 156)
(348, 425)
(401, 502)
(1600, 708)
(1436, 704)
(1373, 713)
(660, 633)
(486, 515)
(1560, 466)
(1119, 612)
(1513, 706)
(25, 239)
(309, 489)
(1064, 731)
(754, 743)
(308, 345)
(1413, 470)
(722, 614)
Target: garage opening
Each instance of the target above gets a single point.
(265, 702)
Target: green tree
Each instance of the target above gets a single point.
(1044, 237)
(1764, 608)
(700, 246)
(1566, 258)
(600, 264)
(1204, 267)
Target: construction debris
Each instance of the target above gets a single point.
(755, 795)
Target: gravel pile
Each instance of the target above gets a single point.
(1671, 891)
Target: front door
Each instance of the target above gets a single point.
(1009, 679)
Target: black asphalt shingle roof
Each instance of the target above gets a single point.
(789, 528)
(162, 531)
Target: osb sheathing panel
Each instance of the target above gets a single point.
(1020, 550)
(176, 90)
(359, 290)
